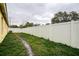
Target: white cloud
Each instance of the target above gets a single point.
(38, 17)
(37, 12)
(46, 16)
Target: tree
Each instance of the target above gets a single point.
(65, 17)
(57, 18)
(13, 26)
(47, 23)
(36, 24)
(74, 15)
(21, 26)
(28, 24)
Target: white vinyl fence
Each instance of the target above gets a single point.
(66, 33)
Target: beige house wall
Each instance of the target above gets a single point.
(3, 28)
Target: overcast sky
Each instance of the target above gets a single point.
(19, 13)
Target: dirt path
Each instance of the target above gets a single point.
(26, 45)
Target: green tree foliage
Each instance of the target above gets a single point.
(13, 26)
(74, 15)
(28, 24)
(64, 17)
(47, 23)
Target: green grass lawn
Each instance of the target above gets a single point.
(43, 47)
(11, 46)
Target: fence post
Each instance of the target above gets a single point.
(72, 33)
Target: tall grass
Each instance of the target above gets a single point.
(44, 47)
(11, 46)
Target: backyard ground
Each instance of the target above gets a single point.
(11, 46)
(40, 46)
